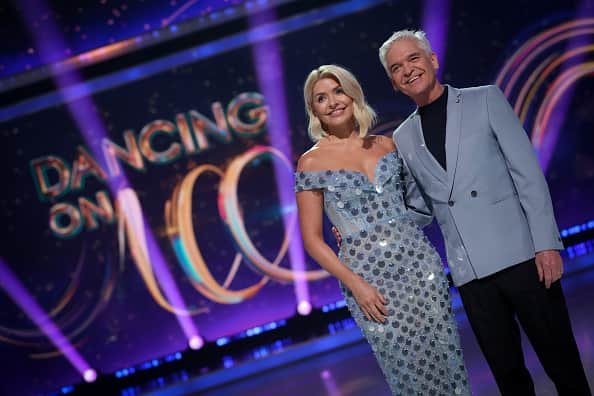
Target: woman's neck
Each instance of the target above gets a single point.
(343, 134)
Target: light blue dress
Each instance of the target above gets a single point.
(418, 347)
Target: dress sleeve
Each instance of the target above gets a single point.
(310, 181)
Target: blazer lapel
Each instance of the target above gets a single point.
(423, 152)
(454, 118)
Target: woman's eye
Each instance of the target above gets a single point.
(320, 99)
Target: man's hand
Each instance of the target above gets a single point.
(337, 236)
(549, 265)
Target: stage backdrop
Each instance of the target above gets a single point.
(180, 152)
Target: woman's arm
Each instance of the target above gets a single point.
(310, 209)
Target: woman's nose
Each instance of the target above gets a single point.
(332, 101)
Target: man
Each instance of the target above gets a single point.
(477, 174)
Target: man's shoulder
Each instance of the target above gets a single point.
(478, 90)
(405, 125)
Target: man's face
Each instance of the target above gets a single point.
(412, 70)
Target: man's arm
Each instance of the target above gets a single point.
(530, 184)
(414, 199)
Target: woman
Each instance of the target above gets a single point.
(389, 273)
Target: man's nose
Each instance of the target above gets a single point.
(407, 69)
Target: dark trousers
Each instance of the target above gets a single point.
(493, 303)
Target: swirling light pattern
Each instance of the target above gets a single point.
(540, 74)
(181, 228)
(17, 292)
(132, 225)
(65, 318)
(178, 216)
(230, 213)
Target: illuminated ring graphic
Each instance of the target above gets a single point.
(229, 209)
(546, 81)
(178, 216)
(64, 318)
(131, 224)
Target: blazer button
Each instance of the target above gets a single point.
(451, 203)
(473, 194)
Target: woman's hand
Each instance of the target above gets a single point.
(370, 300)
(337, 236)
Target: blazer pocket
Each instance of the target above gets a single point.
(504, 197)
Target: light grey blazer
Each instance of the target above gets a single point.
(493, 204)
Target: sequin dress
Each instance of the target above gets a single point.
(418, 347)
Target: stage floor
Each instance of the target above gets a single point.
(343, 365)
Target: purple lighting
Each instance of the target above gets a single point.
(269, 70)
(49, 42)
(17, 292)
(330, 384)
(435, 25)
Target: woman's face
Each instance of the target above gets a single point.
(332, 106)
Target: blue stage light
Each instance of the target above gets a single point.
(145, 366)
(228, 361)
(169, 358)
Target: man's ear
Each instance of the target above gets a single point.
(435, 61)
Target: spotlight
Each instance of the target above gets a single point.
(304, 308)
(196, 342)
(90, 375)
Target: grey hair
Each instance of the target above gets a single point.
(364, 115)
(418, 35)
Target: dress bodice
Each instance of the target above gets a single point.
(352, 202)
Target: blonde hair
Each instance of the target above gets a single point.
(364, 115)
(416, 35)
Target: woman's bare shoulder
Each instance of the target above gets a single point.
(321, 156)
(309, 159)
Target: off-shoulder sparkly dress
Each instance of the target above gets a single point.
(418, 347)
